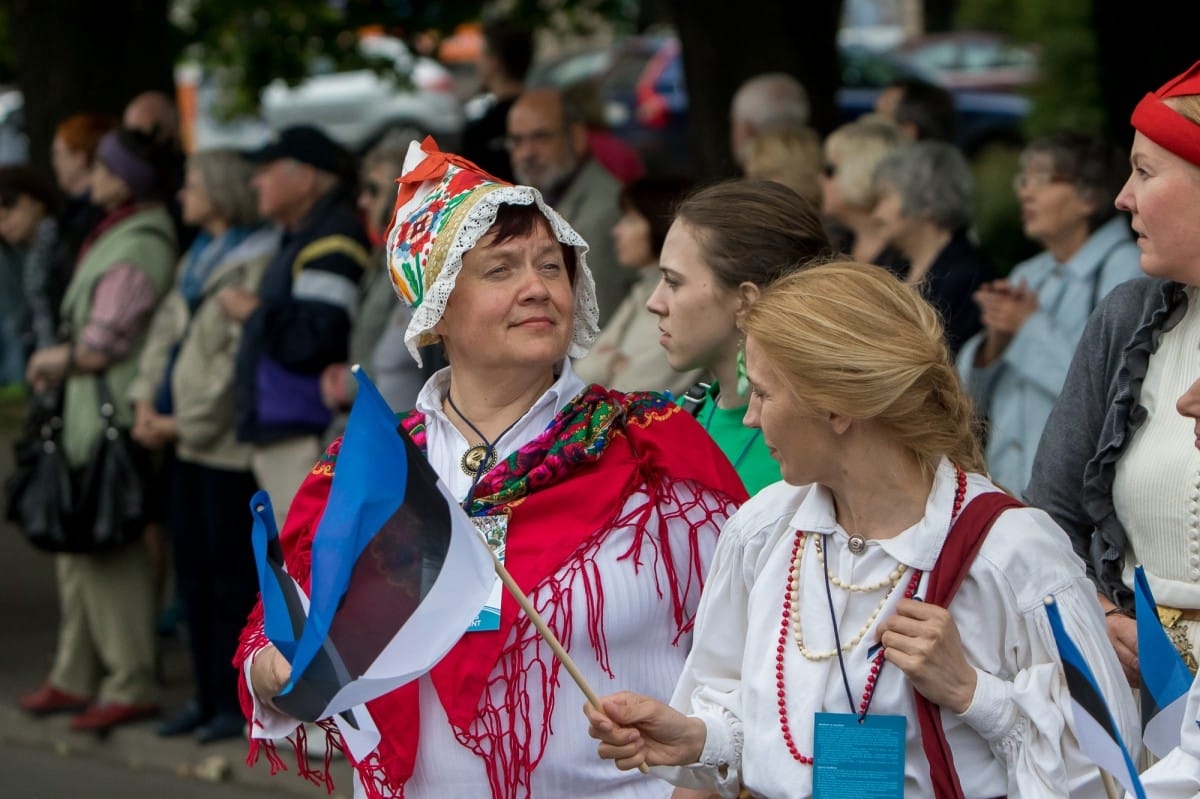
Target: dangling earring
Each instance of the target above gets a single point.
(743, 382)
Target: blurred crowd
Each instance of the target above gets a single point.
(222, 297)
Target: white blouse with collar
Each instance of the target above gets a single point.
(1016, 738)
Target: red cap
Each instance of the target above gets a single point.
(1167, 127)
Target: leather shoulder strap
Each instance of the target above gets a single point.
(958, 553)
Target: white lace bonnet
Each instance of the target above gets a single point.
(444, 206)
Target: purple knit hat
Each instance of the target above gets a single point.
(119, 159)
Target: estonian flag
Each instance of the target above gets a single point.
(398, 574)
(1164, 676)
(1099, 738)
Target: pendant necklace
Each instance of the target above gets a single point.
(479, 458)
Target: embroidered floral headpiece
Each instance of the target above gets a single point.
(444, 207)
(1167, 127)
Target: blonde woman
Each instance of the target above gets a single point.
(847, 187)
(856, 397)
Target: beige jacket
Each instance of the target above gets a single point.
(202, 380)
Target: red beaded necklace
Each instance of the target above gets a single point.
(910, 590)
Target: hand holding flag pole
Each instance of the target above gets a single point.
(549, 637)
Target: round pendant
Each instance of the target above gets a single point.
(857, 544)
(479, 458)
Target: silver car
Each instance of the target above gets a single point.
(409, 95)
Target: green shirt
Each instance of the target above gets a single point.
(743, 446)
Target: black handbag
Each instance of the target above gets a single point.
(90, 509)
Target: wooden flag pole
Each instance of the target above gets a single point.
(549, 637)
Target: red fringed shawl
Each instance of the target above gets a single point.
(562, 492)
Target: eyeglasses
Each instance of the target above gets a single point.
(1036, 180)
(539, 138)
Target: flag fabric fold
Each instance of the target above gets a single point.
(398, 574)
(1099, 738)
(1162, 673)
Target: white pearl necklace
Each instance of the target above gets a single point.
(794, 600)
(893, 579)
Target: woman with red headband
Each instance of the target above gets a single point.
(1116, 466)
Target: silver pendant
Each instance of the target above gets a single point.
(857, 544)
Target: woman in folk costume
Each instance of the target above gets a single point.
(883, 496)
(612, 504)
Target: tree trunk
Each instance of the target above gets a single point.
(725, 43)
(82, 55)
(1141, 46)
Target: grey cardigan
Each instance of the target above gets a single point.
(1093, 420)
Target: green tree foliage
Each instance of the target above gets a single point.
(1068, 94)
(249, 45)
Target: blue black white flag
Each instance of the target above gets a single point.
(1164, 676)
(398, 573)
(1099, 738)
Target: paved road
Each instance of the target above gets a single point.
(42, 774)
(42, 758)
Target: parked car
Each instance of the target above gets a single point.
(972, 60)
(985, 118)
(410, 95)
(14, 144)
(640, 82)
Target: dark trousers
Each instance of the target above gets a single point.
(215, 573)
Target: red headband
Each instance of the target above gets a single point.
(1166, 127)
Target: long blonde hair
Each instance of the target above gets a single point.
(851, 339)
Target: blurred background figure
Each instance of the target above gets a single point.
(71, 155)
(792, 158)
(501, 69)
(852, 152)
(924, 198)
(154, 114)
(34, 267)
(548, 142)
(183, 396)
(298, 322)
(104, 665)
(923, 110)
(377, 332)
(1015, 367)
(620, 159)
(627, 357)
(768, 103)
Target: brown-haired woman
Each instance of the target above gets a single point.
(856, 396)
(727, 243)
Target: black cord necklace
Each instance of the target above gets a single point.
(479, 458)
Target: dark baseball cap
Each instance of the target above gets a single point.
(303, 143)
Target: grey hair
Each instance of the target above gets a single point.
(772, 101)
(858, 146)
(933, 181)
(1096, 168)
(226, 178)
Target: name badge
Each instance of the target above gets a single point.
(853, 760)
(494, 530)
